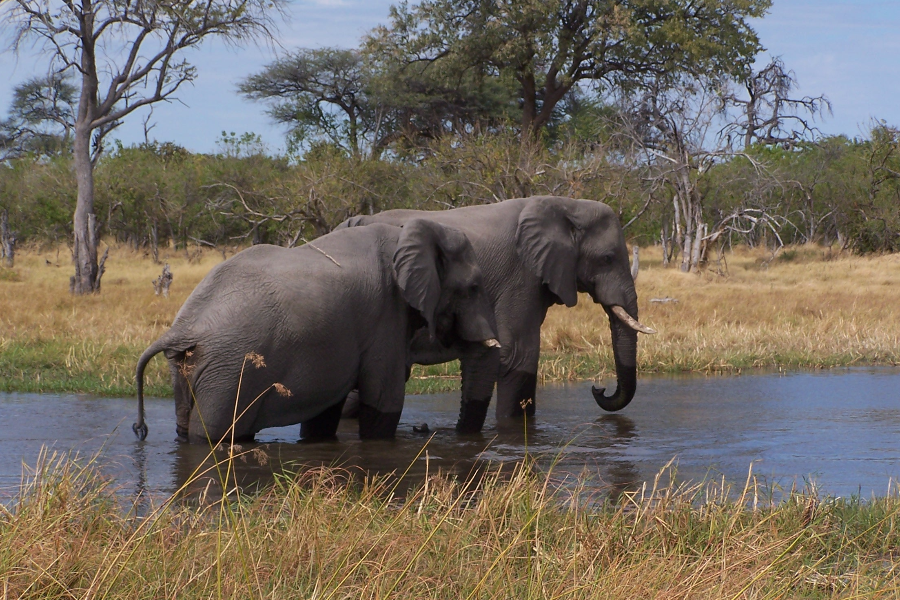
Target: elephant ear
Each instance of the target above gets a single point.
(418, 263)
(545, 241)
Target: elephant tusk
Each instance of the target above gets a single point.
(630, 321)
(491, 343)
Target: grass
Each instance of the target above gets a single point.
(316, 535)
(806, 309)
(322, 533)
(811, 311)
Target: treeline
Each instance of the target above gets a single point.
(838, 191)
(656, 107)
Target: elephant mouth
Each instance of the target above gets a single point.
(630, 321)
(491, 343)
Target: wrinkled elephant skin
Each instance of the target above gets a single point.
(276, 336)
(534, 252)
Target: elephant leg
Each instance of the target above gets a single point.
(351, 405)
(381, 391)
(519, 355)
(323, 425)
(516, 393)
(479, 368)
(212, 416)
(375, 424)
(184, 400)
(517, 382)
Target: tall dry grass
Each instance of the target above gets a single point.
(803, 309)
(316, 536)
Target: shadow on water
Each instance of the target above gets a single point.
(405, 462)
(837, 428)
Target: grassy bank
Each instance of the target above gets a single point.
(314, 536)
(804, 309)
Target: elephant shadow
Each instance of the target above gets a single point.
(615, 432)
(199, 472)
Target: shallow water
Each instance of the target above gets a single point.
(839, 428)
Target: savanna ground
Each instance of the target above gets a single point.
(806, 308)
(69, 534)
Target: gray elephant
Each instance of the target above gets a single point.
(535, 252)
(276, 336)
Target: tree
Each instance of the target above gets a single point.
(767, 114)
(546, 48)
(41, 118)
(125, 55)
(361, 101)
(673, 124)
(319, 93)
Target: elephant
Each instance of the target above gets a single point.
(276, 336)
(535, 252)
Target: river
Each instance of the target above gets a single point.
(839, 429)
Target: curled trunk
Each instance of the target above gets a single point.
(624, 341)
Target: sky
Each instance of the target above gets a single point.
(848, 50)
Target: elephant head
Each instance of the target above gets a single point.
(578, 246)
(438, 275)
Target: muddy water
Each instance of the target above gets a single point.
(840, 429)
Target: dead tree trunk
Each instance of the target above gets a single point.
(7, 240)
(679, 232)
(696, 250)
(161, 284)
(154, 242)
(664, 238)
(690, 202)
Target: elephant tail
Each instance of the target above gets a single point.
(169, 341)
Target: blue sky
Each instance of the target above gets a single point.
(848, 50)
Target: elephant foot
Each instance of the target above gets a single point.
(181, 434)
(324, 425)
(516, 394)
(377, 425)
(472, 414)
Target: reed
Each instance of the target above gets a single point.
(317, 535)
(806, 308)
(67, 532)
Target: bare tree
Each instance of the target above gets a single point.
(766, 112)
(671, 124)
(682, 128)
(125, 56)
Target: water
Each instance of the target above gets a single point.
(839, 429)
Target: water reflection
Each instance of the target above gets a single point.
(838, 428)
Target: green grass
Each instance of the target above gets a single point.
(59, 366)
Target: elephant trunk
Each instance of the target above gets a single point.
(624, 341)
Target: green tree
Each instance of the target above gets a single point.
(41, 118)
(545, 48)
(362, 101)
(319, 93)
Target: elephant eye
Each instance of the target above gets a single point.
(606, 259)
